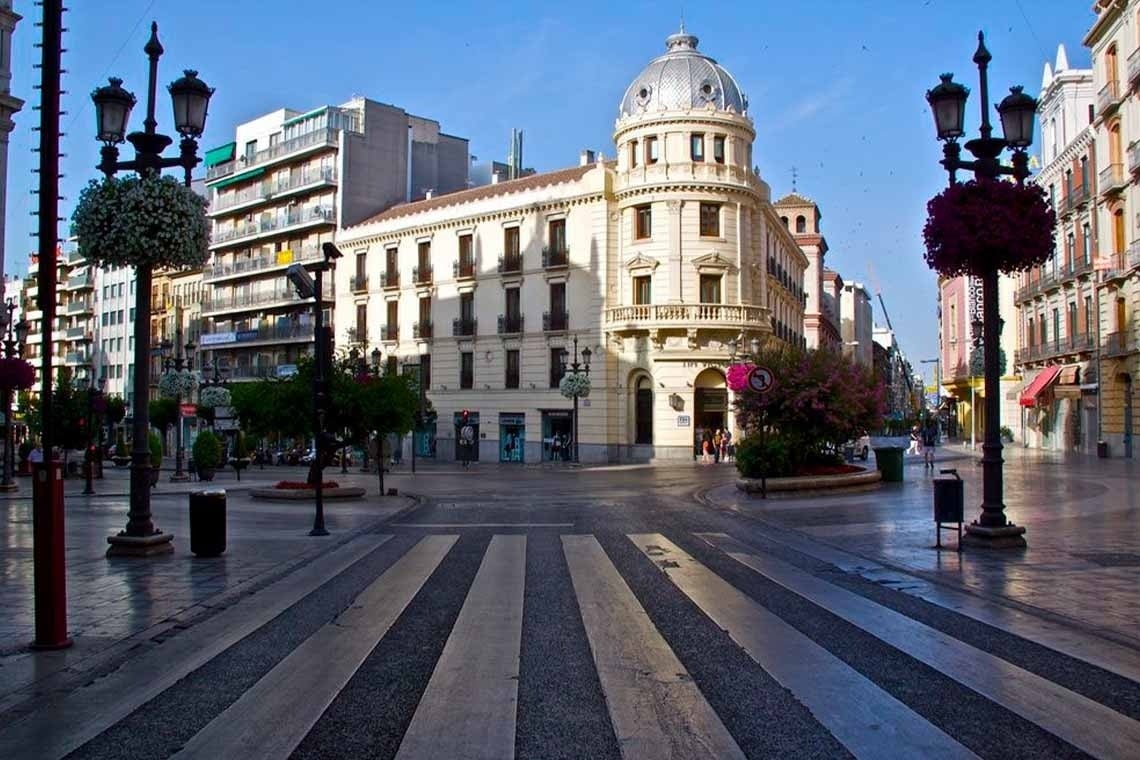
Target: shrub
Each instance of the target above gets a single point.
(207, 451)
(771, 458)
(155, 441)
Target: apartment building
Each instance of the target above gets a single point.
(658, 263)
(856, 324)
(820, 320)
(71, 337)
(278, 192)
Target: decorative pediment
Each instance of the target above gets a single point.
(713, 263)
(641, 261)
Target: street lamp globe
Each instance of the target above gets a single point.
(376, 354)
(22, 331)
(113, 106)
(1017, 111)
(191, 98)
(586, 354)
(948, 103)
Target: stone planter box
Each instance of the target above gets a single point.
(808, 484)
(305, 494)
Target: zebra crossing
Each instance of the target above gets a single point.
(798, 630)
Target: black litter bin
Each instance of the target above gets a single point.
(949, 504)
(208, 522)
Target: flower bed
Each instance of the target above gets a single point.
(296, 490)
(827, 469)
(300, 485)
(856, 479)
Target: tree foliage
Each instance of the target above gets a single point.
(163, 413)
(69, 412)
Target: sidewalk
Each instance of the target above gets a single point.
(1083, 529)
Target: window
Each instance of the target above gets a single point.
(467, 306)
(511, 241)
(1084, 171)
(1071, 250)
(1072, 326)
(361, 268)
(425, 371)
(393, 364)
(697, 147)
(801, 224)
(391, 263)
(1088, 315)
(556, 233)
(466, 369)
(710, 288)
(425, 311)
(1053, 197)
(710, 220)
(643, 289)
(651, 156)
(392, 329)
(361, 323)
(466, 252)
(556, 368)
(250, 150)
(423, 255)
(274, 139)
(1029, 335)
(954, 322)
(1056, 326)
(513, 310)
(558, 315)
(718, 149)
(643, 222)
(512, 379)
(633, 146)
(1068, 182)
(1086, 239)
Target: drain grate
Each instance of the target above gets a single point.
(1111, 559)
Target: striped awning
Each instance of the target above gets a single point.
(1039, 384)
(220, 154)
(235, 178)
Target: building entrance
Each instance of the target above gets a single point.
(710, 406)
(557, 435)
(512, 437)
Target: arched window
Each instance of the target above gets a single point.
(643, 411)
(801, 224)
(784, 219)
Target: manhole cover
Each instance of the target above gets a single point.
(1111, 559)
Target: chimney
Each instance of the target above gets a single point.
(585, 158)
(429, 193)
(494, 178)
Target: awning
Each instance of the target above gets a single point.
(234, 179)
(220, 154)
(1043, 380)
(1068, 382)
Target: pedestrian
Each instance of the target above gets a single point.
(913, 448)
(929, 442)
(718, 441)
(728, 452)
(706, 446)
(466, 441)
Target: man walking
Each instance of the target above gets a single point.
(929, 441)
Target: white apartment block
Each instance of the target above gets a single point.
(856, 323)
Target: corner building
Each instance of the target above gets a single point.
(654, 261)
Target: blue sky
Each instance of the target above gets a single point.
(835, 87)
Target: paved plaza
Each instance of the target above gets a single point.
(610, 612)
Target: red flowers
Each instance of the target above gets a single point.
(982, 225)
(16, 374)
(300, 485)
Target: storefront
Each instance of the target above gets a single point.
(557, 435)
(512, 437)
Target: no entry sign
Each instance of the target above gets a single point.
(761, 379)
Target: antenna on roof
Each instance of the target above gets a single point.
(795, 175)
(682, 18)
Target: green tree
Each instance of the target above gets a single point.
(163, 413)
(387, 406)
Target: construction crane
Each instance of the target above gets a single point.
(878, 293)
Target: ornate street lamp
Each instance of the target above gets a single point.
(947, 102)
(93, 390)
(178, 363)
(190, 98)
(575, 368)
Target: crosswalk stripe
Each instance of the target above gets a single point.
(866, 719)
(1055, 709)
(273, 716)
(656, 709)
(82, 715)
(470, 705)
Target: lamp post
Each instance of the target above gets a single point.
(91, 389)
(307, 288)
(182, 360)
(191, 98)
(937, 362)
(13, 349)
(575, 368)
(948, 104)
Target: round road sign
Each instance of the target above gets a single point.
(761, 379)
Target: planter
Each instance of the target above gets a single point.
(305, 494)
(810, 484)
(206, 473)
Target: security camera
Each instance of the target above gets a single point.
(301, 280)
(331, 251)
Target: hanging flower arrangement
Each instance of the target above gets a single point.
(575, 385)
(133, 221)
(16, 374)
(983, 225)
(176, 384)
(737, 376)
(213, 397)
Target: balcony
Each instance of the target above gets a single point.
(269, 190)
(1134, 66)
(359, 283)
(1134, 157)
(78, 333)
(1119, 344)
(558, 321)
(651, 316)
(422, 330)
(1124, 262)
(1108, 98)
(390, 280)
(555, 258)
(81, 358)
(79, 307)
(421, 275)
(259, 372)
(510, 324)
(274, 333)
(463, 327)
(320, 138)
(390, 333)
(79, 282)
(1111, 179)
(1077, 197)
(243, 267)
(272, 224)
(73, 258)
(255, 301)
(357, 336)
(511, 262)
(463, 269)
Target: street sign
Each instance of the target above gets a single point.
(761, 379)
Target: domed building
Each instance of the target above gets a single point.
(662, 263)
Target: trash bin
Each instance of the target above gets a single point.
(208, 522)
(1102, 449)
(949, 505)
(889, 461)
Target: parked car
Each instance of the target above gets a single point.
(862, 446)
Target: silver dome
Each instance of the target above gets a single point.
(682, 79)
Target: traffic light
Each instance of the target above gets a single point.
(466, 416)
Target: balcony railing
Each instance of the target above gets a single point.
(464, 327)
(273, 261)
(421, 330)
(299, 331)
(708, 314)
(316, 139)
(1108, 98)
(255, 372)
(270, 189)
(510, 324)
(421, 275)
(554, 258)
(1134, 157)
(510, 262)
(77, 357)
(78, 333)
(556, 322)
(357, 336)
(1111, 178)
(283, 296)
(1119, 344)
(359, 283)
(1134, 66)
(390, 333)
(463, 270)
(390, 279)
(79, 282)
(274, 224)
(1124, 262)
(1077, 197)
(79, 307)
